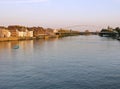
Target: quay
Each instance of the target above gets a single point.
(9, 39)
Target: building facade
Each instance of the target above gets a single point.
(4, 33)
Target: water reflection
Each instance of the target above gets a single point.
(27, 47)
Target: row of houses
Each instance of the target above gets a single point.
(21, 31)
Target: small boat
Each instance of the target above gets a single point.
(16, 47)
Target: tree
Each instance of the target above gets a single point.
(118, 30)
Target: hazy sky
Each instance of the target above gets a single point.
(60, 13)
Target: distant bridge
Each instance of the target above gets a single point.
(84, 27)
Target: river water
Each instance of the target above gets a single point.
(78, 62)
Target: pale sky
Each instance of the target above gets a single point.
(60, 13)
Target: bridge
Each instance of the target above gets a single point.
(84, 27)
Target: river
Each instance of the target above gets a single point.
(78, 62)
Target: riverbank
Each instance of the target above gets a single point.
(21, 38)
(32, 38)
(58, 35)
(9, 39)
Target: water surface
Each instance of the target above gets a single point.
(79, 62)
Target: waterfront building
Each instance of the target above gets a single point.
(49, 31)
(55, 31)
(30, 33)
(4, 32)
(38, 31)
(13, 30)
(22, 32)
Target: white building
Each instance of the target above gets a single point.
(24, 33)
(55, 31)
(29, 33)
(4, 33)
